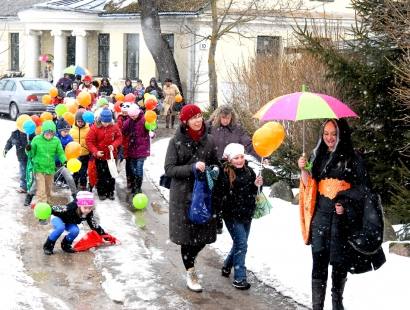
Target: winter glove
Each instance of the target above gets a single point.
(28, 147)
(4, 153)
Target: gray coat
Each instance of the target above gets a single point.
(223, 135)
(182, 153)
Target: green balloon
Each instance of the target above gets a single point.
(102, 101)
(42, 211)
(61, 109)
(140, 201)
(151, 126)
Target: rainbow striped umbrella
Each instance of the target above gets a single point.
(303, 105)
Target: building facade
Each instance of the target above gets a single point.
(110, 43)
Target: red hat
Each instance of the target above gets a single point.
(189, 111)
(87, 78)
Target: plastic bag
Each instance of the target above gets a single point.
(200, 210)
(263, 205)
(112, 166)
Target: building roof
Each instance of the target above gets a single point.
(165, 6)
(91, 6)
(10, 8)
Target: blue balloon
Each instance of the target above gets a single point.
(29, 127)
(88, 117)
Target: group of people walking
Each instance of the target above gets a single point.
(338, 171)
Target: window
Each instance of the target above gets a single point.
(10, 86)
(36, 85)
(14, 52)
(3, 84)
(268, 45)
(132, 55)
(70, 51)
(103, 54)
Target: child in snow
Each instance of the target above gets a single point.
(79, 131)
(67, 218)
(138, 145)
(121, 118)
(19, 139)
(43, 150)
(104, 137)
(235, 193)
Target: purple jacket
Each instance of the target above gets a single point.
(139, 140)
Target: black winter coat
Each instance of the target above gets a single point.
(69, 215)
(182, 153)
(236, 202)
(18, 139)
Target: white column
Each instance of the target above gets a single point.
(60, 53)
(32, 53)
(81, 53)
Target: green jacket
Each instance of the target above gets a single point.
(44, 152)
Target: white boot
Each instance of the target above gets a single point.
(192, 280)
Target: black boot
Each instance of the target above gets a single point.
(338, 286)
(66, 246)
(48, 246)
(167, 117)
(138, 185)
(318, 293)
(172, 121)
(28, 199)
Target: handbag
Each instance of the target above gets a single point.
(200, 210)
(112, 166)
(263, 205)
(165, 181)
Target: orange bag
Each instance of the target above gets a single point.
(92, 172)
(307, 202)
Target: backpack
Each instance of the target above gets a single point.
(200, 210)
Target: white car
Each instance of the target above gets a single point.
(22, 96)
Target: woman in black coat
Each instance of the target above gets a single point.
(339, 173)
(190, 148)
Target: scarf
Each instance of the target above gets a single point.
(196, 135)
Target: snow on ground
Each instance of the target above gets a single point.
(19, 291)
(279, 258)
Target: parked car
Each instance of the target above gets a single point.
(22, 96)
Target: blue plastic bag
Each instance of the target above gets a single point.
(200, 210)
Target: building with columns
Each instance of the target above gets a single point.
(110, 42)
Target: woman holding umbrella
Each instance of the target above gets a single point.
(342, 185)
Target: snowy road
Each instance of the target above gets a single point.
(143, 272)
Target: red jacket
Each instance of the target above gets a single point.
(100, 137)
(125, 139)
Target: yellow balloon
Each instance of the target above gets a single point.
(73, 165)
(21, 120)
(278, 134)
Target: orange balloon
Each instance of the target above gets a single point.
(46, 116)
(178, 98)
(21, 120)
(72, 106)
(150, 104)
(278, 133)
(84, 99)
(261, 142)
(129, 98)
(117, 106)
(72, 150)
(69, 117)
(46, 99)
(38, 130)
(150, 116)
(36, 119)
(119, 97)
(53, 92)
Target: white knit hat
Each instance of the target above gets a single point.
(233, 149)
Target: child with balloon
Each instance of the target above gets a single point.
(43, 150)
(123, 152)
(138, 145)
(235, 194)
(67, 218)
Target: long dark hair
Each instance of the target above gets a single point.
(343, 149)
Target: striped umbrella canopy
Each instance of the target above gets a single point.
(76, 70)
(303, 105)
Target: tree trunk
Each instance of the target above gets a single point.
(160, 51)
(213, 78)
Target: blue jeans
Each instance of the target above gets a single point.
(137, 166)
(60, 226)
(23, 183)
(239, 232)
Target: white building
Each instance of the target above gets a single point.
(89, 34)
